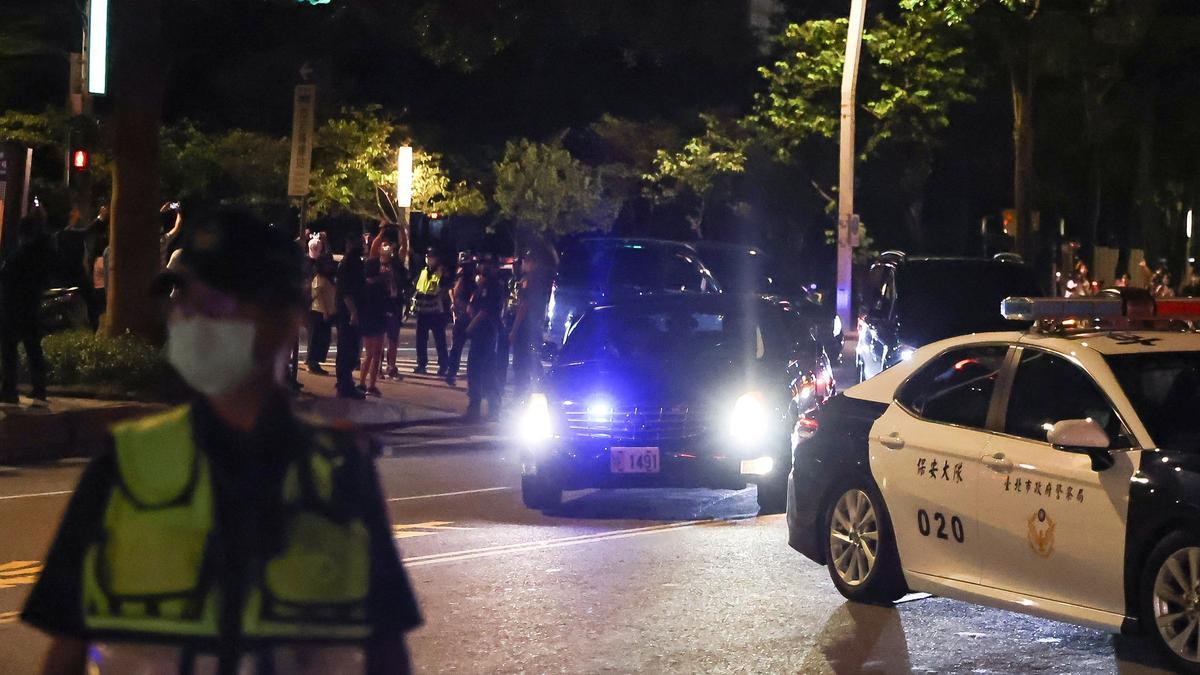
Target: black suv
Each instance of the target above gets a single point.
(603, 270)
(909, 302)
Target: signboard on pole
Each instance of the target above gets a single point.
(300, 165)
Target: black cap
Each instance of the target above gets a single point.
(238, 254)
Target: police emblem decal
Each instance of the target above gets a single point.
(1041, 533)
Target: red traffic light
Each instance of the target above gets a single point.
(79, 160)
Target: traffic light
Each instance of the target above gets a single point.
(79, 160)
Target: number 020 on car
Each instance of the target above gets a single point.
(635, 460)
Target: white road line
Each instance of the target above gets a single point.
(438, 442)
(38, 494)
(526, 547)
(448, 494)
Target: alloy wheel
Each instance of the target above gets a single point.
(853, 537)
(1176, 602)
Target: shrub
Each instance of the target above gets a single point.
(125, 363)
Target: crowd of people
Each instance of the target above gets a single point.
(1156, 280)
(367, 296)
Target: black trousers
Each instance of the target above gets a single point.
(320, 333)
(482, 381)
(349, 344)
(30, 335)
(527, 361)
(503, 349)
(436, 324)
(458, 342)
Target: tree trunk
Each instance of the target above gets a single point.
(1021, 75)
(138, 76)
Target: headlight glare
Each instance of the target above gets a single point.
(534, 425)
(748, 421)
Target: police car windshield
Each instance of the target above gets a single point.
(637, 334)
(1164, 388)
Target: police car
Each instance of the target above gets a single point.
(1053, 472)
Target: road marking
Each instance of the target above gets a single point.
(9, 617)
(405, 531)
(19, 573)
(526, 547)
(448, 494)
(38, 494)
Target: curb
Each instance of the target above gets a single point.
(30, 436)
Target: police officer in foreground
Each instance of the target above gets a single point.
(228, 535)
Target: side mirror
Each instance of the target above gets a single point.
(1083, 437)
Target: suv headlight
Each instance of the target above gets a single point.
(749, 419)
(905, 352)
(534, 425)
(837, 325)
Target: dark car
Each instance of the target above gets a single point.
(749, 269)
(909, 302)
(605, 270)
(688, 390)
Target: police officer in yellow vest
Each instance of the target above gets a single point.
(431, 305)
(228, 535)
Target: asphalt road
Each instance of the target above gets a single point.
(624, 581)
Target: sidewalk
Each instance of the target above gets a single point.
(74, 426)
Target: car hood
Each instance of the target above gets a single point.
(665, 383)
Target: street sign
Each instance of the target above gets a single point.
(300, 166)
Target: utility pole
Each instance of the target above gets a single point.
(847, 231)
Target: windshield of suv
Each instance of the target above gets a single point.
(947, 298)
(1164, 388)
(630, 267)
(639, 334)
(740, 271)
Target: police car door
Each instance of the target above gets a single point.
(1054, 527)
(925, 457)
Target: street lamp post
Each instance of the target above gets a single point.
(847, 221)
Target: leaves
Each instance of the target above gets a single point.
(691, 170)
(355, 170)
(541, 187)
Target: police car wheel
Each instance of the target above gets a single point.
(538, 492)
(861, 551)
(1171, 599)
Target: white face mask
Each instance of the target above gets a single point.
(212, 355)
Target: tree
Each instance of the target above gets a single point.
(355, 170)
(547, 193)
(247, 169)
(137, 80)
(691, 172)
(1020, 37)
(913, 74)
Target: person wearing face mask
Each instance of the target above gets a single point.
(228, 535)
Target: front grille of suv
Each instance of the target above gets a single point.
(640, 424)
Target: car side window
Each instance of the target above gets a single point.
(681, 273)
(1049, 389)
(956, 387)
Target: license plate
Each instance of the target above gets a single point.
(635, 460)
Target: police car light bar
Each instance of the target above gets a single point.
(1035, 309)
(1177, 308)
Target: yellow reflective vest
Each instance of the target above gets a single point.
(429, 297)
(151, 574)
